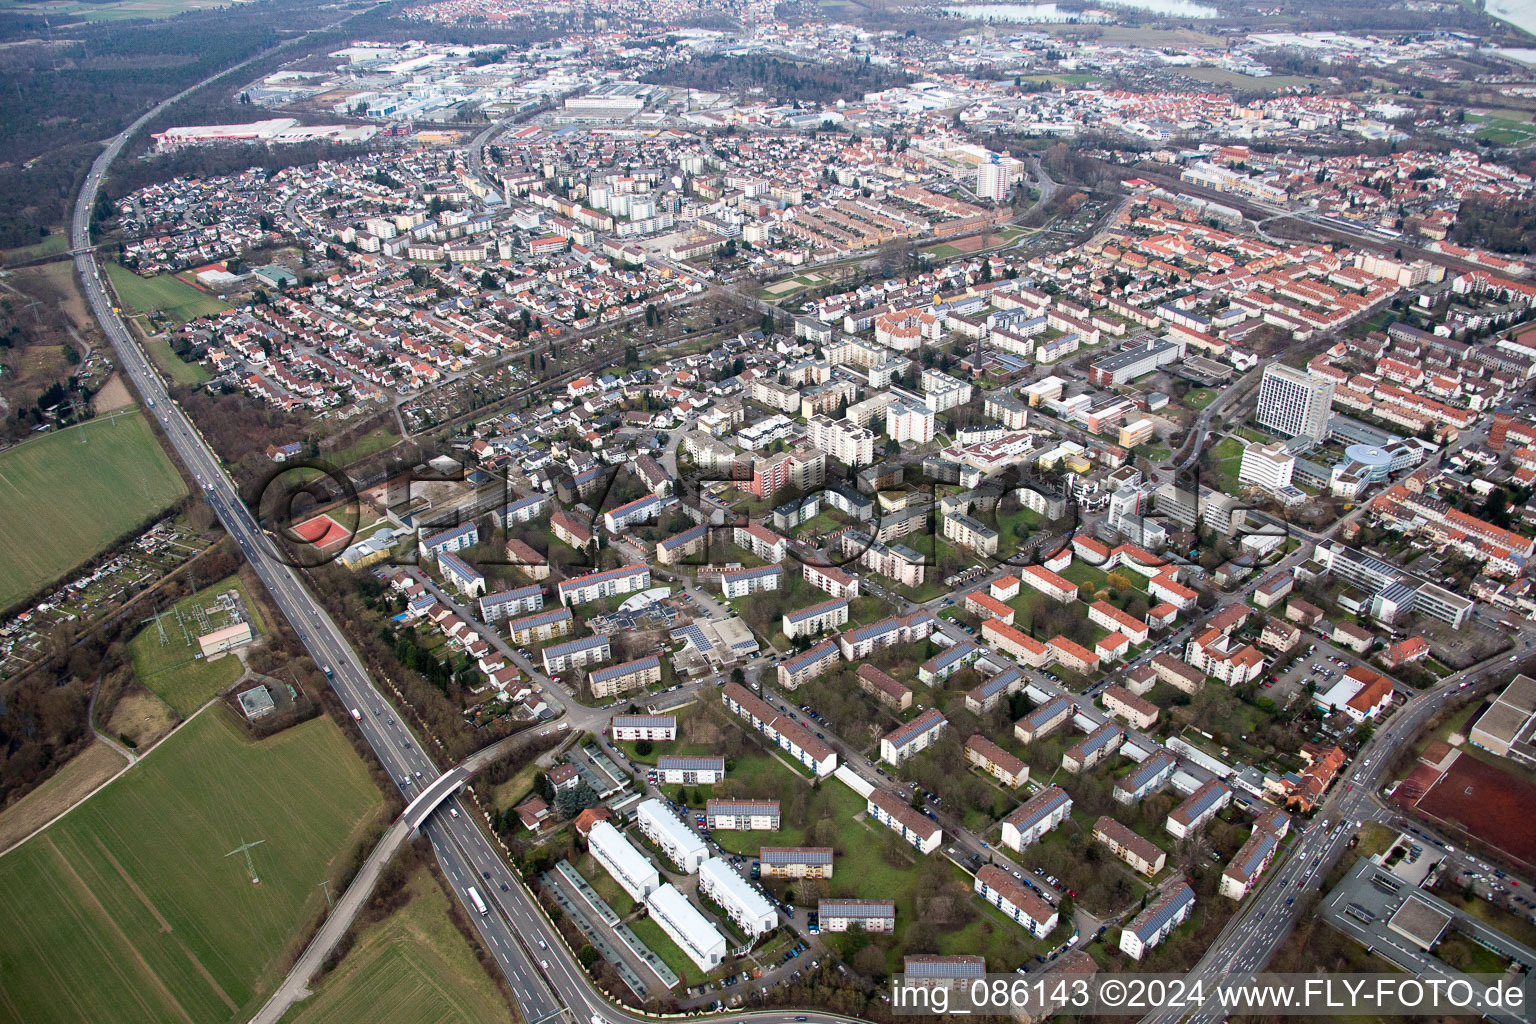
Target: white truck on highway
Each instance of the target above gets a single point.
(474, 897)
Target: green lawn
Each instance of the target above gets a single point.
(414, 967)
(51, 245)
(172, 669)
(173, 366)
(659, 942)
(1228, 456)
(370, 443)
(1199, 398)
(130, 909)
(66, 496)
(163, 293)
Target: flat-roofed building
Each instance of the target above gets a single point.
(1023, 907)
(916, 828)
(1250, 862)
(1139, 853)
(690, 769)
(1198, 808)
(996, 761)
(618, 856)
(589, 650)
(1157, 920)
(628, 728)
(883, 688)
(630, 675)
(796, 861)
(874, 916)
(743, 815)
(1125, 705)
(1038, 815)
(1092, 749)
(1505, 727)
(743, 904)
(1044, 720)
(686, 926)
(661, 825)
(912, 737)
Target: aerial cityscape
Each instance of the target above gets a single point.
(787, 513)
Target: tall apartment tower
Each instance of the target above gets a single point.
(992, 180)
(1294, 402)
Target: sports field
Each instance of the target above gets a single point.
(1487, 803)
(130, 909)
(414, 967)
(172, 668)
(162, 292)
(65, 496)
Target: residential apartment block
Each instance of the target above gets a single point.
(1139, 853)
(1160, 917)
(911, 738)
(999, 888)
(743, 815)
(631, 675)
(996, 761)
(794, 738)
(796, 861)
(628, 579)
(913, 826)
(588, 650)
(1039, 814)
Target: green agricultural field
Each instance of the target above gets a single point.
(173, 669)
(66, 496)
(119, 10)
(163, 293)
(412, 968)
(130, 909)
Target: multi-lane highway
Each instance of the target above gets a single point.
(542, 975)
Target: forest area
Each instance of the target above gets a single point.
(77, 84)
(786, 81)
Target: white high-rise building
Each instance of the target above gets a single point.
(909, 421)
(992, 181)
(1267, 465)
(1294, 402)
